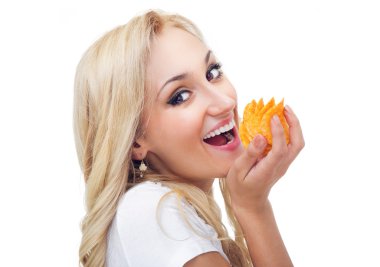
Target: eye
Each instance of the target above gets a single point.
(214, 72)
(179, 97)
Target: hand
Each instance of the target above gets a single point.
(252, 176)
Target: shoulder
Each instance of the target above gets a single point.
(138, 207)
(156, 206)
(150, 217)
(145, 195)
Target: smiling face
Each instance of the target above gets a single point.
(192, 103)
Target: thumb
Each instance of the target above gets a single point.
(249, 158)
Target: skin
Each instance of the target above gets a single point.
(173, 139)
(173, 143)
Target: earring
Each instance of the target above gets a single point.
(142, 169)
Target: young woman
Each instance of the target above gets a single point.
(155, 123)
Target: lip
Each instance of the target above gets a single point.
(230, 146)
(220, 124)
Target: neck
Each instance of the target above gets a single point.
(205, 185)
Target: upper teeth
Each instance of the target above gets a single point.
(220, 130)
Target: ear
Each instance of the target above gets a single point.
(139, 150)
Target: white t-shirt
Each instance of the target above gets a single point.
(146, 234)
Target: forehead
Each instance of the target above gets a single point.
(173, 52)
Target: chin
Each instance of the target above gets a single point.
(222, 172)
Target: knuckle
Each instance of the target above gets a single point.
(251, 152)
(301, 144)
(296, 121)
(283, 172)
(279, 130)
(278, 154)
(282, 153)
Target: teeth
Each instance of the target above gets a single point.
(223, 129)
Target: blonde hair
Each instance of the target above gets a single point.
(108, 102)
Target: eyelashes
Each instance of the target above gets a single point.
(180, 96)
(214, 71)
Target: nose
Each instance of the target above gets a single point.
(220, 103)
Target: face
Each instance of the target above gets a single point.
(190, 128)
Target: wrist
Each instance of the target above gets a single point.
(258, 210)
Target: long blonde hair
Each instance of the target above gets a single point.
(108, 102)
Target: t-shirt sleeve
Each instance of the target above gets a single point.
(156, 228)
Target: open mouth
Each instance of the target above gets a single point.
(221, 136)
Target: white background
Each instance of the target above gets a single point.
(322, 56)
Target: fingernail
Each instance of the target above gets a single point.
(276, 119)
(288, 109)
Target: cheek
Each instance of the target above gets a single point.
(177, 126)
(187, 125)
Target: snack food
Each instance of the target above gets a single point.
(256, 120)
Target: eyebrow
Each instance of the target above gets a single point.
(183, 75)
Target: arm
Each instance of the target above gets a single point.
(208, 259)
(264, 243)
(250, 180)
(263, 238)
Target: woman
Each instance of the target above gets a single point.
(155, 123)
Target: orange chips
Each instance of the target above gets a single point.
(256, 120)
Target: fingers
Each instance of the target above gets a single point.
(281, 154)
(295, 132)
(276, 162)
(279, 146)
(249, 157)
